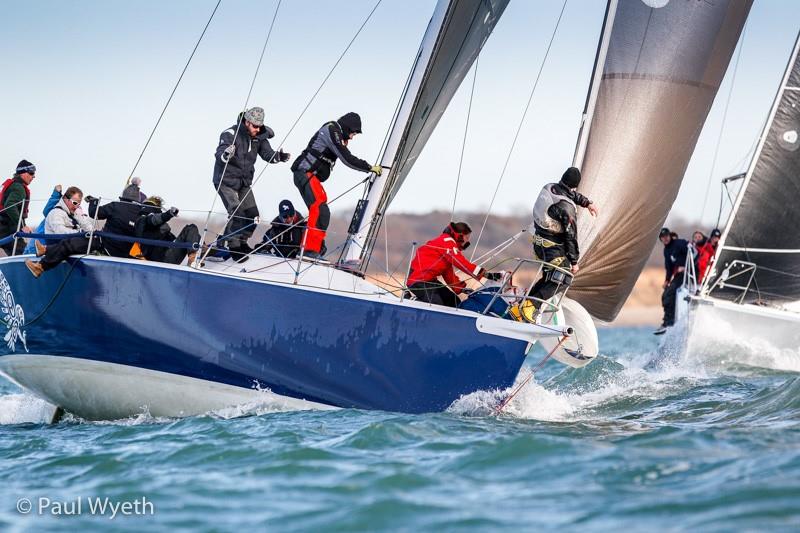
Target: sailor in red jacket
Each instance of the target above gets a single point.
(706, 250)
(436, 258)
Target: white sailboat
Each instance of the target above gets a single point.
(751, 294)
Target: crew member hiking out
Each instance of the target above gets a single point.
(313, 166)
(15, 198)
(436, 259)
(153, 224)
(555, 238)
(234, 168)
(675, 251)
(65, 218)
(120, 219)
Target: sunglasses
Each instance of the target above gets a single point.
(75, 202)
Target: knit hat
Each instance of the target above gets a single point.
(255, 116)
(286, 209)
(131, 193)
(25, 166)
(350, 123)
(571, 177)
(716, 233)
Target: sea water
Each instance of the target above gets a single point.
(642, 439)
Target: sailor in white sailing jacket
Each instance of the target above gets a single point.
(67, 217)
(555, 237)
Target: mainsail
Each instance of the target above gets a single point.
(662, 64)
(763, 225)
(454, 37)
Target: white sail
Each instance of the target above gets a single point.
(454, 37)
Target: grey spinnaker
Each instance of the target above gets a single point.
(454, 38)
(763, 226)
(661, 71)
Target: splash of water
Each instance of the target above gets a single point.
(25, 409)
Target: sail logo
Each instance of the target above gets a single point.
(13, 316)
(788, 141)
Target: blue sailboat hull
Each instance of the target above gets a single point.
(322, 346)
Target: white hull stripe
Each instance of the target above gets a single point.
(97, 390)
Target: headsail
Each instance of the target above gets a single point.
(762, 227)
(455, 36)
(661, 69)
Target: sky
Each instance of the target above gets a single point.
(84, 82)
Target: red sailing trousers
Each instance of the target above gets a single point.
(319, 215)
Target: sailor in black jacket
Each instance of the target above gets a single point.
(675, 252)
(555, 237)
(314, 165)
(234, 168)
(153, 224)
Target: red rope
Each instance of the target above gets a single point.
(530, 376)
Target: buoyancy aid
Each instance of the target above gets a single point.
(4, 195)
(541, 218)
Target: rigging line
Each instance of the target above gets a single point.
(466, 130)
(310, 101)
(238, 127)
(519, 127)
(175, 88)
(722, 126)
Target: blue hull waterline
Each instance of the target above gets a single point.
(322, 346)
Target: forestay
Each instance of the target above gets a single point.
(762, 228)
(454, 37)
(659, 66)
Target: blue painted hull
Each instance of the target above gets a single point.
(321, 346)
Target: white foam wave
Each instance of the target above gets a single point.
(25, 409)
(718, 345)
(581, 401)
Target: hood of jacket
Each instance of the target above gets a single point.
(350, 123)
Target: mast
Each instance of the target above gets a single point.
(594, 85)
(784, 86)
(366, 214)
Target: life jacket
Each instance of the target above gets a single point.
(4, 195)
(546, 199)
(318, 159)
(75, 224)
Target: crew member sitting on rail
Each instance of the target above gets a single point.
(285, 236)
(675, 251)
(436, 258)
(15, 198)
(64, 218)
(555, 239)
(153, 224)
(120, 219)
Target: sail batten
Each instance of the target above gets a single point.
(454, 37)
(649, 99)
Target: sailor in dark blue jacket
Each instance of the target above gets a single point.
(314, 165)
(675, 251)
(234, 167)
